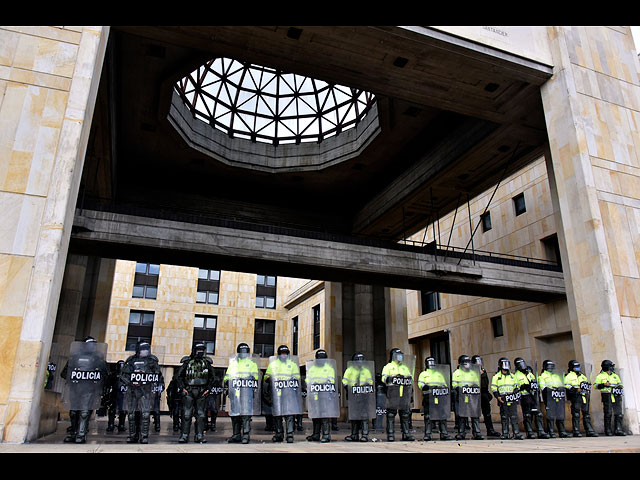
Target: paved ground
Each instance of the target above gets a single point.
(166, 442)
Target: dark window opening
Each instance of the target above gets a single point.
(208, 286)
(264, 337)
(294, 339)
(316, 327)
(430, 302)
(266, 291)
(486, 221)
(145, 282)
(519, 204)
(140, 328)
(496, 323)
(204, 330)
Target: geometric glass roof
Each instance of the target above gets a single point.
(268, 105)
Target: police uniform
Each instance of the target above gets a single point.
(390, 370)
(578, 392)
(550, 380)
(320, 374)
(505, 388)
(427, 380)
(280, 368)
(244, 368)
(529, 400)
(354, 376)
(195, 379)
(464, 378)
(611, 396)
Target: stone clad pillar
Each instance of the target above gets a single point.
(592, 111)
(49, 78)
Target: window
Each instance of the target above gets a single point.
(204, 330)
(430, 302)
(316, 327)
(264, 338)
(140, 328)
(145, 282)
(518, 202)
(552, 248)
(208, 286)
(266, 291)
(294, 339)
(486, 221)
(496, 323)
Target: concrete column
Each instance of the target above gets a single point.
(50, 78)
(592, 111)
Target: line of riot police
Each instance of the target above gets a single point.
(194, 392)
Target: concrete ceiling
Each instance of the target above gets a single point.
(454, 118)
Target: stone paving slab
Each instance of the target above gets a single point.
(166, 441)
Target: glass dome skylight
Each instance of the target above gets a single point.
(267, 105)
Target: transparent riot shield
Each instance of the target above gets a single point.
(322, 388)
(399, 381)
(467, 381)
(244, 380)
(86, 374)
(512, 404)
(286, 385)
(359, 380)
(144, 379)
(437, 391)
(555, 397)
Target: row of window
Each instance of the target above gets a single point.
(204, 330)
(145, 285)
(518, 204)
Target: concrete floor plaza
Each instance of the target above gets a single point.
(166, 441)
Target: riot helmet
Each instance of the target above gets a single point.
(199, 349)
(429, 362)
(321, 357)
(504, 364)
(574, 366)
(283, 352)
(464, 361)
(243, 348)
(396, 354)
(357, 357)
(520, 364)
(89, 339)
(143, 349)
(607, 366)
(476, 360)
(549, 366)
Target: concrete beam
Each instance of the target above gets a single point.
(140, 238)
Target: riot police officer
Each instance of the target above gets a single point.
(140, 375)
(322, 396)
(465, 384)
(244, 393)
(435, 388)
(578, 390)
(553, 394)
(110, 400)
(358, 382)
(610, 386)
(398, 377)
(87, 371)
(195, 379)
(505, 388)
(485, 397)
(282, 380)
(529, 402)
(174, 402)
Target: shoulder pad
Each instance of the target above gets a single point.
(185, 358)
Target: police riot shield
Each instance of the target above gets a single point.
(286, 385)
(244, 380)
(555, 397)
(86, 374)
(359, 380)
(379, 423)
(617, 394)
(437, 390)
(322, 388)
(400, 382)
(512, 404)
(583, 398)
(144, 380)
(469, 397)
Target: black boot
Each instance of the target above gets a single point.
(236, 437)
(539, 426)
(460, 428)
(326, 430)
(278, 429)
(516, 428)
(526, 421)
(586, 423)
(405, 426)
(475, 428)
(575, 423)
(156, 421)
(427, 429)
(145, 420)
(488, 422)
(607, 426)
(355, 427)
(444, 434)
(315, 436)
(133, 429)
(391, 426)
(365, 431)
(617, 426)
(505, 428)
(290, 425)
(73, 428)
(561, 430)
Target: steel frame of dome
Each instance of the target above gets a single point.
(264, 104)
